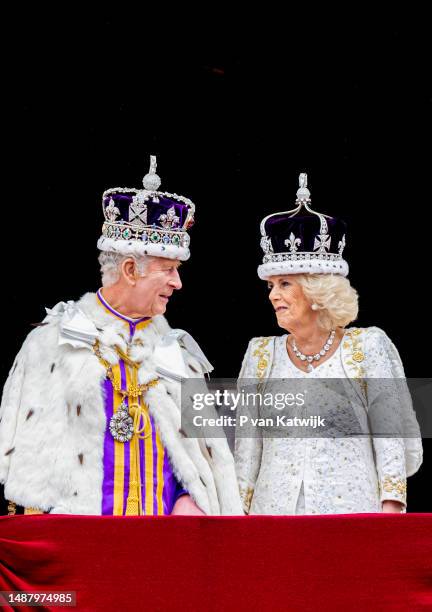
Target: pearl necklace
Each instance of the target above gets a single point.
(317, 356)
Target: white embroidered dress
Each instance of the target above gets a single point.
(283, 476)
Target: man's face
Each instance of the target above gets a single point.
(153, 290)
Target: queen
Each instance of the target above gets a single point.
(315, 303)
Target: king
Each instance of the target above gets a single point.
(90, 420)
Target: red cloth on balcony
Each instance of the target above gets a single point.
(334, 562)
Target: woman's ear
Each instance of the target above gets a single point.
(128, 269)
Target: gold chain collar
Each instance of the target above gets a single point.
(134, 389)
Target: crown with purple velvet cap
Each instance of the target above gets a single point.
(302, 240)
(146, 221)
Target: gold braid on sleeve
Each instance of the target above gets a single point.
(391, 484)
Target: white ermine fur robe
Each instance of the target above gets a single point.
(53, 421)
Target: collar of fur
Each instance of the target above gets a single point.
(114, 332)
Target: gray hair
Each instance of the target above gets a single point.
(110, 265)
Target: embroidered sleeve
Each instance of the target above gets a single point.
(389, 402)
(390, 465)
(395, 486)
(248, 450)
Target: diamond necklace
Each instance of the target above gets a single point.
(317, 356)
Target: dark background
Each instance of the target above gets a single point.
(232, 125)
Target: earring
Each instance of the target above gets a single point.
(315, 306)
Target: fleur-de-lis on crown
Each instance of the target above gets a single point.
(293, 243)
(111, 211)
(170, 220)
(341, 245)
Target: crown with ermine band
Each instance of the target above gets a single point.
(146, 221)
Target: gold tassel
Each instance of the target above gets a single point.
(133, 505)
(134, 500)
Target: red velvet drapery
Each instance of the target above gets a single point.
(337, 562)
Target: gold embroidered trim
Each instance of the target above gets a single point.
(32, 511)
(354, 345)
(391, 484)
(246, 495)
(11, 508)
(263, 354)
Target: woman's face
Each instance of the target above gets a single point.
(291, 306)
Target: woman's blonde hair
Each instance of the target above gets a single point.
(337, 301)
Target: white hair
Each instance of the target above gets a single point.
(337, 301)
(111, 262)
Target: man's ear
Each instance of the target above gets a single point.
(128, 269)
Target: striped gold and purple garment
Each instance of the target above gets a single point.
(160, 488)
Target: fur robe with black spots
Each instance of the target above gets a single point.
(53, 421)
